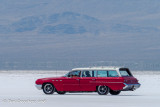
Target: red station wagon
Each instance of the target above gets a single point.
(103, 80)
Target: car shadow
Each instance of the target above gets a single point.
(82, 94)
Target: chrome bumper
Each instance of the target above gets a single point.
(131, 87)
(39, 87)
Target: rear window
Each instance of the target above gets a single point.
(107, 74)
(125, 72)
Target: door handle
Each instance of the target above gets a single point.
(77, 79)
(93, 79)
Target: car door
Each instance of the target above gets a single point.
(87, 81)
(71, 82)
(101, 77)
(114, 81)
(109, 78)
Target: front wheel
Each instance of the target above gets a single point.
(114, 92)
(48, 88)
(61, 92)
(102, 90)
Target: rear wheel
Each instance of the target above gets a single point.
(114, 92)
(48, 88)
(102, 90)
(61, 92)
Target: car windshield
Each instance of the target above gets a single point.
(66, 75)
(125, 73)
(73, 74)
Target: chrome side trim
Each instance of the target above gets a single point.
(125, 86)
(131, 86)
(39, 87)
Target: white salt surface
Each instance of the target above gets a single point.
(18, 90)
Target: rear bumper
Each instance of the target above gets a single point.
(39, 87)
(131, 87)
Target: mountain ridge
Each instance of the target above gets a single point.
(69, 23)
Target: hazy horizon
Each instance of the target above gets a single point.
(55, 34)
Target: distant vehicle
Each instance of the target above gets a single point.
(103, 80)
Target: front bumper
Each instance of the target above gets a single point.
(39, 87)
(131, 87)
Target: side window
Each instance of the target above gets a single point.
(125, 72)
(102, 73)
(87, 74)
(112, 74)
(74, 74)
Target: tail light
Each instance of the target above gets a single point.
(125, 81)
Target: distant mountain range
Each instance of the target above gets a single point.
(69, 23)
(58, 23)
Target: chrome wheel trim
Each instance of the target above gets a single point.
(48, 88)
(102, 89)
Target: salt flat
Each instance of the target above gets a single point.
(18, 89)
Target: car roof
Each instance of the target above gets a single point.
(99, 68)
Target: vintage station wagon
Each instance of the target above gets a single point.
(103, 80)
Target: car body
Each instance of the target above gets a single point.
(103, 80)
